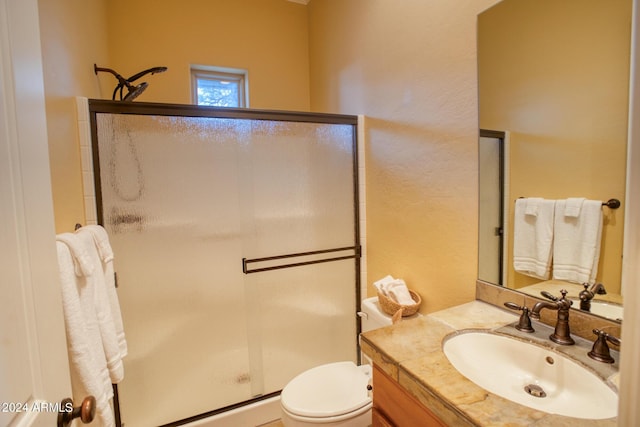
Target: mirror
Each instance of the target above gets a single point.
(553, 83)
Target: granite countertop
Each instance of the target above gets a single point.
(411, 353)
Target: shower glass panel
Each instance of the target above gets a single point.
(194, 203)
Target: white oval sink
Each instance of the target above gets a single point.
(606, 309)
(523, 372)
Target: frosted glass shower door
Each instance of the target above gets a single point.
(300, 177)
(193, 205)
(169, 192)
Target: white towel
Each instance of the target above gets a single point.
(102, 306)
(101, 239)
(576, 248)
(532, 204)
(381, 285)
(398, 291)
(395, 289)
(88, 366)
(533, 238)
(572, 206)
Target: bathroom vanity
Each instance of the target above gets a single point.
(393, 405)
(414, 379)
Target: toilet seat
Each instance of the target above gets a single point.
(333, 391)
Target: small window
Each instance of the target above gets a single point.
(219, 87)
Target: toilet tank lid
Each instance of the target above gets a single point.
(371, 306)
(326, 391)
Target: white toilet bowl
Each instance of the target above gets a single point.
(335, 394)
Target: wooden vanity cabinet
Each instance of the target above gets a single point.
(393, 406)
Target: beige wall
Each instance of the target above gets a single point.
(266, 37)
(563, 94)
(73, 36)
(410, 67)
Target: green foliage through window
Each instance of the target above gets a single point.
(220, 89)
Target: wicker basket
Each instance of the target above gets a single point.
(391, 307)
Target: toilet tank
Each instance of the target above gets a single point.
(372, 316)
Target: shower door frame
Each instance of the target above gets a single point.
(182, 110)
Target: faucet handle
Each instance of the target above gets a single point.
(554, 298)
(600, 289)
(524, 324)
(586, 294)
(564, 293)
(600, 349)
(548, 295)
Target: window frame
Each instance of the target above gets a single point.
(235, 75)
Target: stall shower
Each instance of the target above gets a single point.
(237, 250)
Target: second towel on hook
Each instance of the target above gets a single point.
(576, 245)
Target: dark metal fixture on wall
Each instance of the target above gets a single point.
(133, 90)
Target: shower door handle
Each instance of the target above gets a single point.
(299, 259)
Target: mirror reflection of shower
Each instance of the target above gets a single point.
(133, 91)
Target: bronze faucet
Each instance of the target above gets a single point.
(524, 323)
(561, 334)
(588, 293)
(600, 349)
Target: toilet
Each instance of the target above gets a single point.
(335, 394)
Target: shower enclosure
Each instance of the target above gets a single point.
(237, 250)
